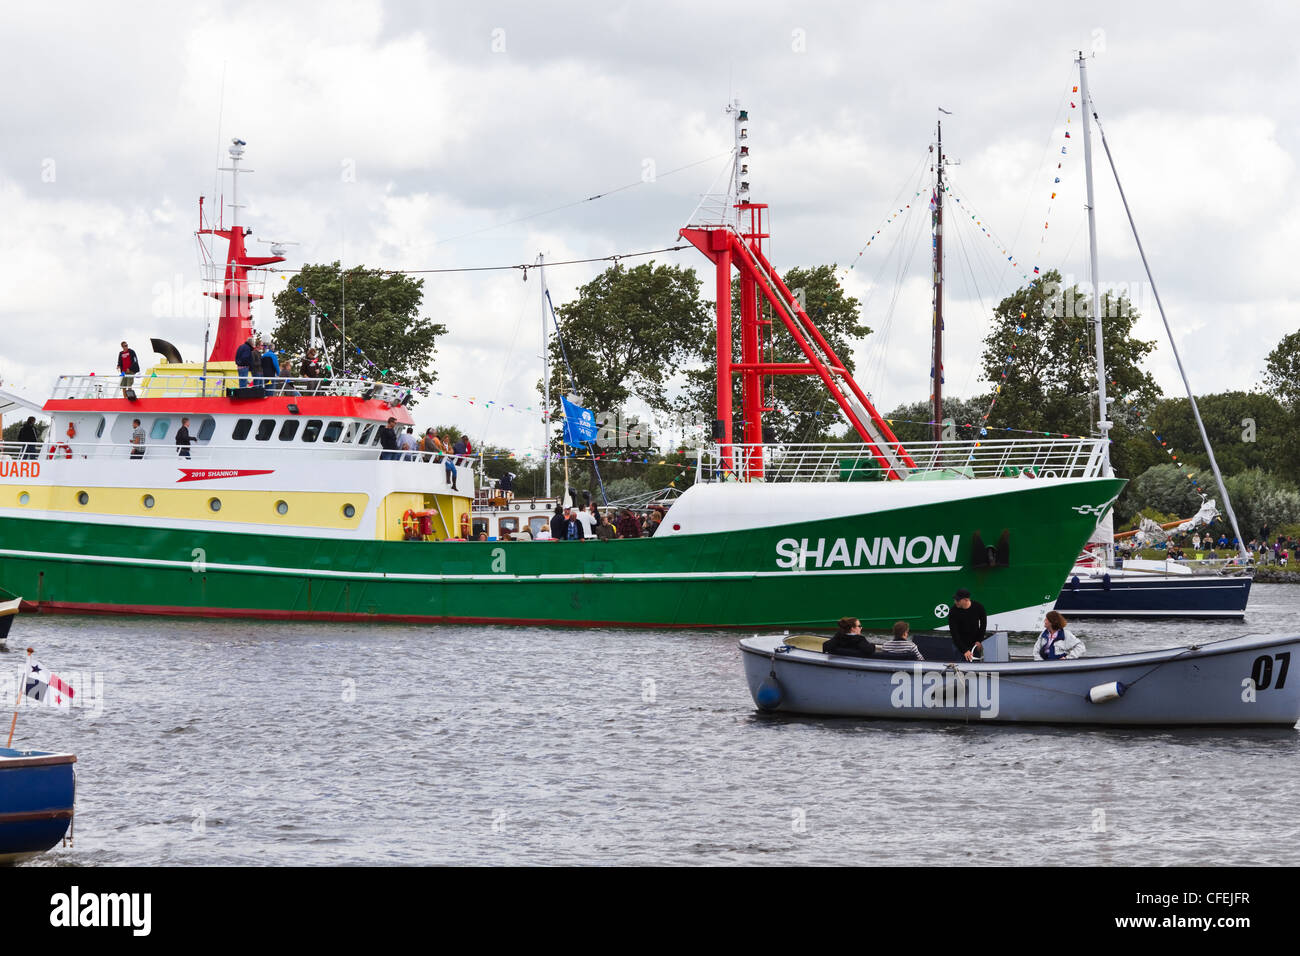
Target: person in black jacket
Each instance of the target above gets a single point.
(31, 441)
(848, 640)
(388, 441)
(967, 623)
(244, 359)
(183, 439)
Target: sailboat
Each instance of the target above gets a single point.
(1100, 585)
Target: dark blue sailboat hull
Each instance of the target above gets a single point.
(1191, 596)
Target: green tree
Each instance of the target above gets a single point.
(1282, 371)
(803, 409)
(1246, 430)
(1050, 382)
(626, 335)
(1163, 488)
(1259, 498)
(382, 321)
(910, 422)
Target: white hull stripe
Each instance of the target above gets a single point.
(479, 578)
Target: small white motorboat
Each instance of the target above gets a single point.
(1239, 681)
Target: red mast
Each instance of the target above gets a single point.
(236, 301)
(728, 247)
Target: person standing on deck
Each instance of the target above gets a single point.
(968, 624)
(243, 360)
(388, 441)
(183, 439)
(128, 365)
(137, 440)
(270, 369)
(29, 438)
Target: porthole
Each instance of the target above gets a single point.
(83, 498)
(349, 511)
(282, 507)
(214, 504)
(147, 501)
(24, 498)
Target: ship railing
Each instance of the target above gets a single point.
(215, 384)
(243, 454)
(215, 275)
(974, 459)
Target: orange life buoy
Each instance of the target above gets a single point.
(67, 449)
(410, 525)
(464, 525)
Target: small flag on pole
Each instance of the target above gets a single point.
(47, 687)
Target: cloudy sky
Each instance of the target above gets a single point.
(441, 135)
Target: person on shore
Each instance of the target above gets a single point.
(1056, 643)
(128, 365)
(183, 439)
(137, 440)
(902, 643)
(968, 624)
(29, 438)
(847, 641)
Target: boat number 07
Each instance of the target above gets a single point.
(1262, 671)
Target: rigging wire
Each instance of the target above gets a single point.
(579, 202)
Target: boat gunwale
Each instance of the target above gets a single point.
(1075, 665)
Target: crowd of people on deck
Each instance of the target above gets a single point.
(580, 524)
(258, 364)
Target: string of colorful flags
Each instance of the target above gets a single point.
(1129, 400)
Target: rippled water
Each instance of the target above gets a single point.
(232, 742)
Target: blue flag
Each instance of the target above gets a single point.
(579, 425)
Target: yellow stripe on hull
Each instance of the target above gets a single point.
(308, 509)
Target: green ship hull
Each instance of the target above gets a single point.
(882, 567)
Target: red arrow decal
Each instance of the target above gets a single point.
(206, 474)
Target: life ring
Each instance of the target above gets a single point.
(410, 525)
(464, 525)
(54, 449)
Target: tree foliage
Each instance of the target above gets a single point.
(803, 410)
(1259, 498)
(1051, 380)
(383, 321)
(911, 422)
(626, 335)
(1282, 371)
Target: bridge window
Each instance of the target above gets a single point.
(332, 431)
(265, 429)
(365, 435)
(207, 429)
(289, 429)
(312, 430)
(242, 428)
(159, 430)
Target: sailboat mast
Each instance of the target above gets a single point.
(1103, 423)
(546, 379)
(936, 372)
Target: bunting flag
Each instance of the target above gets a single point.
(1187, 473)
